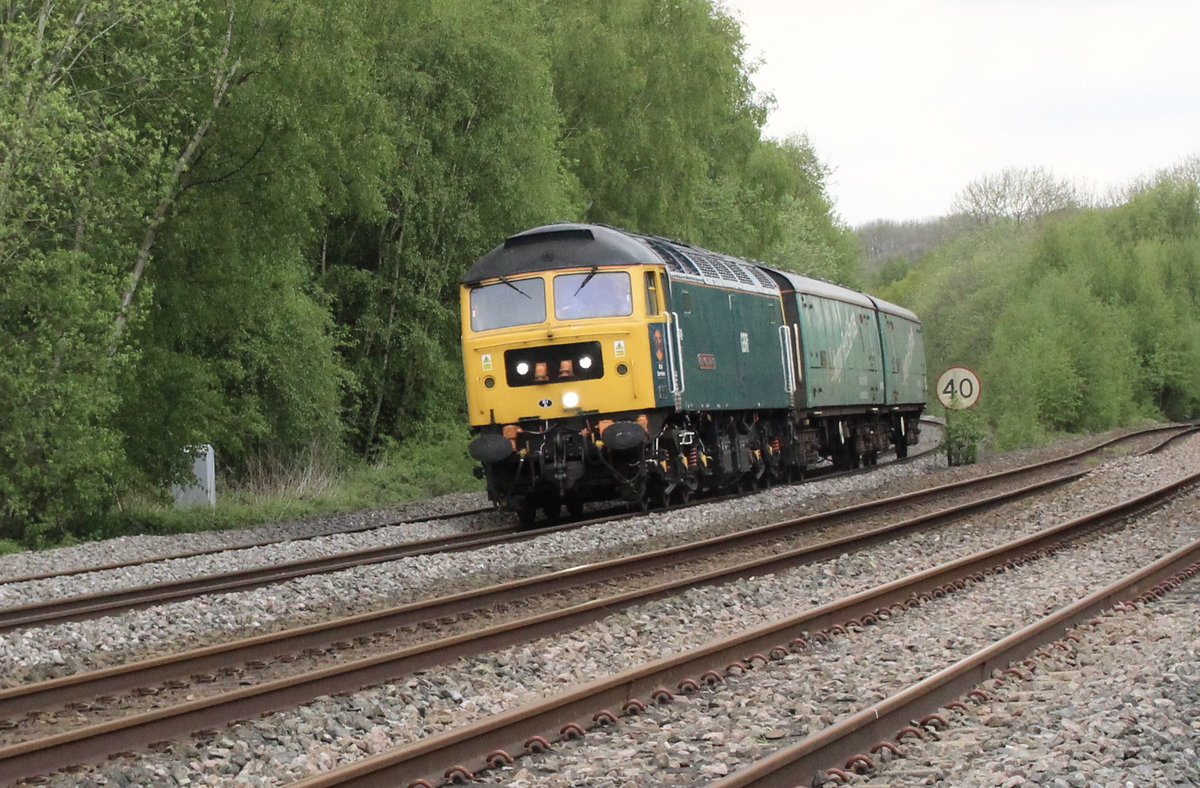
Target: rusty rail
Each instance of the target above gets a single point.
(55, 692)
(215, 550)
(109, 602)
(798, 764)
(98, 740)
(494, 740)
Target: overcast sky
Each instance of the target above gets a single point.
(908, 101)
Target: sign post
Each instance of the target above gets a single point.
(958, 388)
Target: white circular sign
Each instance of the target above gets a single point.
(958, 388)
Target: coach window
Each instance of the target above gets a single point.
(652, 307)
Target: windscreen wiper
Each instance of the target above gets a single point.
(586, 279)
(504, 280)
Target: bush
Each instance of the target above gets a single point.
(964, 430)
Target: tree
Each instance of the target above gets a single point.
(656, 102)
(1017, 193)
(467, 103)
(94, 97)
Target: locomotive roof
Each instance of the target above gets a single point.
(559, 246)
(823, 289)
(572, 245)
(567, 245)
(888, 308)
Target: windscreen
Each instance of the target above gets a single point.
(509, 303)
(594, 294)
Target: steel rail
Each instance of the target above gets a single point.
(799, 763)
(107, 602)
(97, 740)
(81, 686)
(265, 543)
(492, 741)
(358, 529)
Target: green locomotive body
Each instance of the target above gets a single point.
(604, 364)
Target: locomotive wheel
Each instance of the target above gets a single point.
(901, 448)
(552, 509)
(527, 512)
(575, 507)
(658, 496)
(682, 495)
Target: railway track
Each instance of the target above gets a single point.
(1134, 665)
(430, 543)
(495, 741)
(114, 565)
(114, 735)
(74, 608)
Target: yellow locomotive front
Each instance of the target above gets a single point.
(564, 333)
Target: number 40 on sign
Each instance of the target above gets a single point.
(958, 388)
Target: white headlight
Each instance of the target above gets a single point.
(585, 362)
(523, 368)
(570, 400)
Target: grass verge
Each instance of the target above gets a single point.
(433, 463)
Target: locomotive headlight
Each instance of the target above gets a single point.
(585, 362)
(523, 368)
(570, 399)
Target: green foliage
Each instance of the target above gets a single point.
(467, 101)
(243, 223)
(783, 215)
(965, 429)
(656, 100)
(60, 457)
(1081, 322)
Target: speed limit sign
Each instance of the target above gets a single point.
(958, 388)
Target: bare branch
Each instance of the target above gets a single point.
(1016, 193)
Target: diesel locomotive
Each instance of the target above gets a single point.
(603, 364)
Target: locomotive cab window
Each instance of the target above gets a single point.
(593, 294)
(510, 303)
(652, 305)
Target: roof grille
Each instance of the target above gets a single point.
(672, 256)
(761, 276)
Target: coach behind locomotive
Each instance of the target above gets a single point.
(603, 364)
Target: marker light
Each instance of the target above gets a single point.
(585, 362)
(523, 368)
(570, 400)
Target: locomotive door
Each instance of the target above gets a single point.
(667, 340)
(790, 346)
